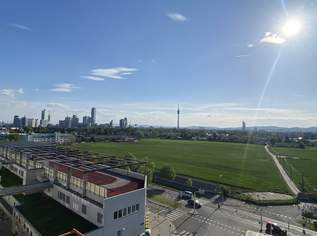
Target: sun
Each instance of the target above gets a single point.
(291, 27)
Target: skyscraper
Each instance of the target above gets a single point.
(86, 121)
(178, 117)
(123, 123)
(93, 116)
(75, 121)
(16, 121)
(243, 126)
(45, 118)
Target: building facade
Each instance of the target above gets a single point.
(113, 199)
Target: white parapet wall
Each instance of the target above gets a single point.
(125, 213)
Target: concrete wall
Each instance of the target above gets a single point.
(132, 224)
(21, 226)
(32, 175)
(75, 204)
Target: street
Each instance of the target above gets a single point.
(231, 219)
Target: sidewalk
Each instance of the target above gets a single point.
(160, 226)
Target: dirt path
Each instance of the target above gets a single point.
(292, 186)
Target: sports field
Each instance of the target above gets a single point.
(241, 165)
(300, 161)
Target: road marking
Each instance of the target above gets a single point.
(182, 233)
(217, 224)
(175, 214)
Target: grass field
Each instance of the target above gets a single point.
(228, 163)
(301, 161)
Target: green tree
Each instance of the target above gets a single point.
(189, 182)
(168, 172)
(148, 170)
(14, 137)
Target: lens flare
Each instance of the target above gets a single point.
(291, 27)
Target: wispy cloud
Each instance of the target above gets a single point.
(110, 73)
(20, 27)
(177, 17)
(12, 93)
(250, 45)
(92, 78)
(242, 55)
(55, 105)
(272, 38)
(64, 88)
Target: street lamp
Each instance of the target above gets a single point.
(261, 221)
(169, 230)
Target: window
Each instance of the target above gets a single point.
(119, 233)
(75, 206)
(84, 209)
(99, 218)
(62, 196)
(67, 199)
(124, 211)
(129, 210)
(115, 215)
(120, 213)
(133, 208)
(137, 206)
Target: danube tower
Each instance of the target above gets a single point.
(178, 117)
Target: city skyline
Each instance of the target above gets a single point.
(102, 62)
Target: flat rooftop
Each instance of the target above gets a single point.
(43, 212)
(9, 179)
(95, 168)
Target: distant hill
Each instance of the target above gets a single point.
(259, 128)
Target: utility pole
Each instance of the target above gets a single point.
(261, 222)
(194, 203)
(303, 186)
(169, 230)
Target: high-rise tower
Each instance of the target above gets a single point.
(93, 116)
(178, 117)
(244, 127)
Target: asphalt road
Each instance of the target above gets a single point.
(233, 218)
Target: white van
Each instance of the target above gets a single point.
(187, 195)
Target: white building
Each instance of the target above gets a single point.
(56, 137)
(113, 199)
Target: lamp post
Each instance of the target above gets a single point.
(169, 230)
(261, 221)
(194, 203)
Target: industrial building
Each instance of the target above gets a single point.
(97, 188)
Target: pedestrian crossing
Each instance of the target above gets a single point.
(182, 233)
(175, 214)
(223, 227)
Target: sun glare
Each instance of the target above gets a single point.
(291, 27)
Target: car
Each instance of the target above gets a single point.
(274, 229)
(193, 203)
(187, 195)
(146, 233)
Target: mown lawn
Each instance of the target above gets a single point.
(300, 162)
(240, 165)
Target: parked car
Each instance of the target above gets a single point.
(193, 203)
(146, 233)
(274, 229)
(187, 195)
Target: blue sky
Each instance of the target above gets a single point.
(141, 58)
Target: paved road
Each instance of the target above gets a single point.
(226, 221)
(234, 218)
(292, 186)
